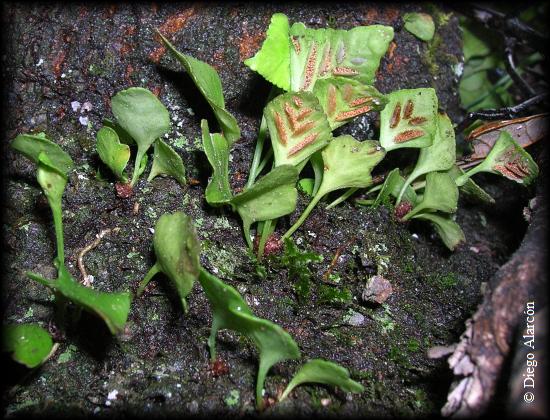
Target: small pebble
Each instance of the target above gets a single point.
(377, 290)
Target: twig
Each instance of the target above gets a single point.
(86, 281)
(336, 256)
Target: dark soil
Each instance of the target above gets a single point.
(57, 54)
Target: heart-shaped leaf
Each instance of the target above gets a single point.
(271, 197)
(506, 158)
(209, 84)
(450, 232)
(177, 249)
(272, 61)
(409, 119)
(143, 116)
(113, 308)
(440, 156)
(343, 99)
(114, 154)
(440, 193)
(167, 162)
(29, 344)
(231, 311)
(325, 53)
(298, 127)
(215, 146)
(323, 372)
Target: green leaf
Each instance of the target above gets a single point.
(271, 197)
(29, 344)
(209, 84)
(343, 99)
(325, 53)
(123, 135)
(470, 189)
(409, 119)
(113, 308)
(215, 146)
(440, 156)
(393, 184)
(298, 127)
(177, 249)
(441, 193)
(231, 311)
(114, 154)
(449, 231)
(347, 163)
(306, 186)
(421, 25)
(167, 162)
(324, 372)
(32, 145)
(506, 158)
(139, 112)
(272, 61)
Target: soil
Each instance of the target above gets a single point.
(57, 54)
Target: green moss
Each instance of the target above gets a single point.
(443, 281)
(334, 295)
(413, 345)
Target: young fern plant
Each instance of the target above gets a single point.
(53, 165)
(177, 250)
(141, 119)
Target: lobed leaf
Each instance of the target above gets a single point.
(209, 84)
(343, 99)
(112, 308)
(298, 127)
(114, 154)
(272, 61)
(324, 372)
(506, 158)
(177, 249)
(326, 53)
(271, 197)
(450, 232)
(348, 163)
(215, 146)
(409, 119)
(32, 145)
(440, 194)
(167, 162)
(421, 25)
(29, 344)
(231, 311)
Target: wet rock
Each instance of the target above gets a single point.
(377, 290)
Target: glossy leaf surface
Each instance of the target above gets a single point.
(29, 344)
